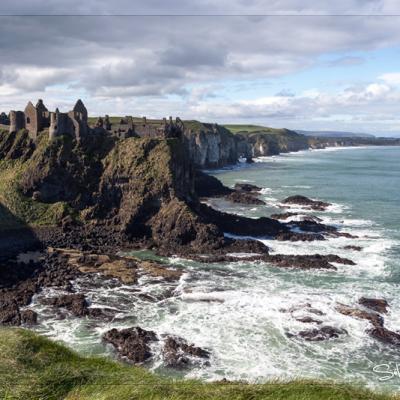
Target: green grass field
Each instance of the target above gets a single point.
(34, 368)
(239, 128)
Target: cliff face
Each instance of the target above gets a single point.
(129, 189)
(212, 145)
(268, 144)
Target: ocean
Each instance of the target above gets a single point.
(239, 311)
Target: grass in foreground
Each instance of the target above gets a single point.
(32, 367)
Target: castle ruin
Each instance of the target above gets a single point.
(37, 118)
(74, 123)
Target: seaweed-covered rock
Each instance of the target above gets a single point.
(178, 353)
(132, 343)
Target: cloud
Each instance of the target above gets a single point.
(346, 61)
(154, 63)
(207, 7)
(392, 78)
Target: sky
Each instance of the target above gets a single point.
(298, 64)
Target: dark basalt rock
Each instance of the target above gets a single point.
(177, 353)
(244, 246)
(29, 317)
(9, 313)
(315, 261)
(298, 236)
(75, 303)
(375, 319)
(244, 198)
(132, 343)
(355, 248)
(312, 226)
(304, 218)
(238, 225)
(247, 187)
(378, 305)
(385, 335)
(284, 216)
(323, 333)
(308, 320)
(208, 186)
(305, 201)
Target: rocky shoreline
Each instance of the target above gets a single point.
(106, 196)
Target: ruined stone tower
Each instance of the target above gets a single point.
(36, 118)
(17, 121)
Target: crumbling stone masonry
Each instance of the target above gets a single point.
(37, 118)
(74, 123)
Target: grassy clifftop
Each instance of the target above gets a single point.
(42, 182)
(32, 367)
(16, 209)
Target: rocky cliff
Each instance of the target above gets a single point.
(212, 145)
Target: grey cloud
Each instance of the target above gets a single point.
(207, 7)
(346, 61)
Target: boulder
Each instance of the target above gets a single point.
(375, 319)
(132, 343)
(305, 201)
(177, 353)
(247, 187)
(385, 335)
(75, 303)
(9, 313)
(244, 198)
(378, 305)
(29, 317)
(323, 333)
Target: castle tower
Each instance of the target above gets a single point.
(32, 120)
(80, 111)
(17, 121)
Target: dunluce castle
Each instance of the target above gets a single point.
(74, 123)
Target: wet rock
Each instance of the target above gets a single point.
(284, 216)
(339, 260)
(132, 343)
(247, 187)
(29, 317)
(355, 248)
(315, 311)
(298, 237)
(177, 353)
(385, 335)
(308, 320)
(287, 215)
(378, 305)
(243, 226)
(159, 270)
(374, 318)
(343, 234)
(320, 334)
(9, 313)
(122, 268)
(208, 186)
(244, 198)
(305, 201)
(312, 226)
(75, 303)
(315, 261)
